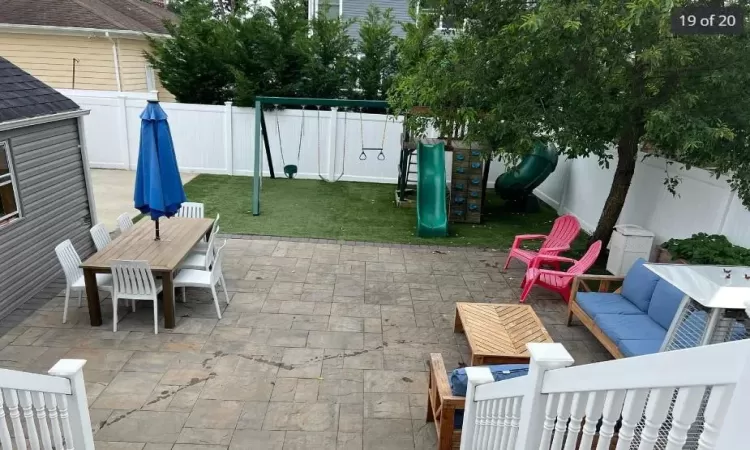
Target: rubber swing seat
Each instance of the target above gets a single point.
(290, 170)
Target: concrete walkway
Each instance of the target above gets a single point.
(113, 194)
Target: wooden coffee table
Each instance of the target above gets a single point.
(498, 334)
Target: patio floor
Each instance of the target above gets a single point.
(324, 346)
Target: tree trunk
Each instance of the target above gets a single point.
(627, 153)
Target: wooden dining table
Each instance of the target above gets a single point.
(178, 236)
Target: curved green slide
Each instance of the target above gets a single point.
(432, 217)
(534, 168)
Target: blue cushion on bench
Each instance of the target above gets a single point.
(638, 285)
(664, 303)
(595, 303)
(459, 381)
(619, 327)
(630, 347)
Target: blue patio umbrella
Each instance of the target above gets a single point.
(158, 187)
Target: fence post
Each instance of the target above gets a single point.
(228, 141)
(544, 357)
(476, 376)
(332, 138)
(78, 406)
(122, 117)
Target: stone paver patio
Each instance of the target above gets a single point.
(324, 346)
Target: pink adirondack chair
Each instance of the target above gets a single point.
(564, 230)
(556, 280)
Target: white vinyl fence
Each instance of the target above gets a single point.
(219, 139)
(45, 411)
(686, 399)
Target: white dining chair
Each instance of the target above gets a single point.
(201, 260)
(133, 280)
(201, 247)
(191, 209)
(100, 235)
(207, 278)
(71, 264)
(124, 222)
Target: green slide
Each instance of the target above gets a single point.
(432, 218)
(518, 183)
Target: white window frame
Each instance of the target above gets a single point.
(314, 5)
(440, 26)
(150, 78)
(10, 178)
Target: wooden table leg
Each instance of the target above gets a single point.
(168, 299)
(458, 327)
(92, 296)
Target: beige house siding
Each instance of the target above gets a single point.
(49, 57)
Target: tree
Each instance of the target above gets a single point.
(377, 50)
(604, 78)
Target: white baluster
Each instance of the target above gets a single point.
(515, 420)
(577, 409)
(657, 408)
(594, 408)
(550, 414)
(631, 414)
(62, 407)
(486, 424)
(563, 413)
(503, 422)
(683, 415)
(28, 416)
(11, 399)
(54, 420)
(612, 408)
(475, 440)
(41, 418)
(496, 422)
(714, 415)
(5, 441)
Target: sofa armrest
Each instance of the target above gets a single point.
(582, 281)
(439, 382)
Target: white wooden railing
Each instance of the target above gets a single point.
(686, 399)
(54, 409)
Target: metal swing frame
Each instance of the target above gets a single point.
(261, 131)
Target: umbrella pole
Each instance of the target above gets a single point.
(157, 238)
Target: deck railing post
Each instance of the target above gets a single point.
(78, 407)
(544, 357)
(477, 376)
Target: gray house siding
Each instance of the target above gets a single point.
(357, 9)
(54, 206)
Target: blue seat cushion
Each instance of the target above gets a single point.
(595, 303)
(664, 303)
(638, 285)
(632, 347)
(459, 381)
(620, 327)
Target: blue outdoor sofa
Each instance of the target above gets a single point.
(634, 319)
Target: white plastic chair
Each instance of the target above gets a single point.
(203, 260)
(71, 264)
(201, 247)
(133, 280)
(100, 235)
(191, 209)
(124, 222)
(208, 278)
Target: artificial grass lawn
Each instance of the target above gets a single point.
(348, 211)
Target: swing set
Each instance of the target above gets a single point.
(290, 170)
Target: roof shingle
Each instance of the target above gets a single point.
(130, 15)
(22, 96)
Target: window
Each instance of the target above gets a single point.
(150, 78)
(9, 209)
(445, 23)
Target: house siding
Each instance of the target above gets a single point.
(54, 205)
(49, 57)
(357, 9)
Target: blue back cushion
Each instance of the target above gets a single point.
(639, 284)
(664, 303)
(459, 381)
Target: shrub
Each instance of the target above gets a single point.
(705, 248)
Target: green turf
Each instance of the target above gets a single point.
(348, 211)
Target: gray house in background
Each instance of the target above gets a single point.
(357, 9)
(45, 188)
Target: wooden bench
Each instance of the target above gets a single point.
(442, 405)
(605, 282)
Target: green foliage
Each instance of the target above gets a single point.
(703, 248)
(593, 77)
(237, 50)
